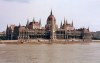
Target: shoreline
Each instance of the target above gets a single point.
(47, 42)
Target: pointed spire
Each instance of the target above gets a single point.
(7, 26)
(27, 21)
(51, 12)
(33, 19)
(88, 28)
(19, 24)
(72, 22)
(7, 29)
(66, 22)
(61, 25)
(40, 22)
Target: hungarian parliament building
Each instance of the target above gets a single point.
(34, 30)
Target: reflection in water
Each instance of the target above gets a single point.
(53, 53)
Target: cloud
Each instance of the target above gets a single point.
(22, 1)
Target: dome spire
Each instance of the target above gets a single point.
(51, 12)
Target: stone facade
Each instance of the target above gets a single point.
(34, 30)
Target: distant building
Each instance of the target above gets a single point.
(96, 35)
(34, 30)
(2, 36)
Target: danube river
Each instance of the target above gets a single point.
(50, 53)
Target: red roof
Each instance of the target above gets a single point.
(34, 23)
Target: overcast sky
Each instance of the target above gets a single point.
(84, 13)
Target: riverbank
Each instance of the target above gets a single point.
(41, 41)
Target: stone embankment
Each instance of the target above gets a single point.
(43, 41)
(95, 40)
(8, 41)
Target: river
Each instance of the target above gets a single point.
(50, 53)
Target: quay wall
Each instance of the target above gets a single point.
(8, 41)
(43, 41)
(95, 40)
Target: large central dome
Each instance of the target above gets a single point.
(51, 21)
(51, 17)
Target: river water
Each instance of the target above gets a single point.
(50, 53)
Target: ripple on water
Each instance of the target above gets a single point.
(54, 53)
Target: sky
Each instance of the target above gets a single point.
(84, 13)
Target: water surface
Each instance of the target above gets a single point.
(52, 53)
